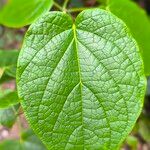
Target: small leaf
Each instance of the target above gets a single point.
(10, 145)
(8, 98)
(8, 63)
(132, 142)
(18, 13)
(8, 58)
(11, 71)
(1, 72)
(82, 84)
(29, 141)
(5, 78)
(8, 116)
(138, 23)
(144, 128)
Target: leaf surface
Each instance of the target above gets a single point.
(138, 22)
(18, 13)
(81, 84)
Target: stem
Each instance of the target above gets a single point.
(72, 10)
(58, 6)
(65, 5)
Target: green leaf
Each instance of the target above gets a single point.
(1, 72)
(138, 23)
(132, 142)
(28, 142)
(8, 58)
(8, 98)
(18, 13)
(144, 128)
(10, 71)
(81, 84)
(8, 63)
(31, 141)
(8, 116)
(10, 145)
(5, 78)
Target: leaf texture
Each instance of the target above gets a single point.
(81, 84)
(139, 24)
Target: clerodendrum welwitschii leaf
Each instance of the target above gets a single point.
(81, 84)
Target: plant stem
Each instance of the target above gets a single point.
(65, 5)
(58, 6)
(72, 10)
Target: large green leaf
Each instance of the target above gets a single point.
(138, 23)
(81, 84)
(18, 13)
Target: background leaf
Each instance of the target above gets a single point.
(8, 98)
(8, 116)
(8, 58)
(18, 13)
(10, 145)
(28, 141)
(8, 63)
(144, 128)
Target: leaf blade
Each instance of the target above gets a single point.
(80, 85)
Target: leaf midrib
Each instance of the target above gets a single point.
(79, 73)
